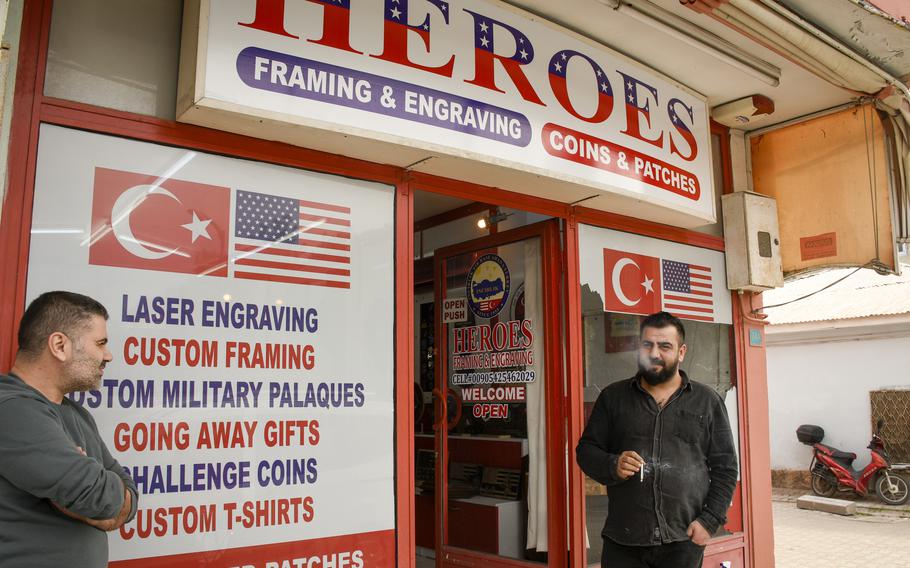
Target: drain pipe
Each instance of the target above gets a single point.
(831, 42)
(682, 29)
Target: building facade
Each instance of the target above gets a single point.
(370, 263)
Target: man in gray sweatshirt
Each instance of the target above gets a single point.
(60, 488)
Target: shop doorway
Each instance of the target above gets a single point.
(490, 449)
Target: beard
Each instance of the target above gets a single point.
(83, 374)
(83, 383)
(655, 378)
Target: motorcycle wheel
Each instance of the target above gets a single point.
(898, 496)
(822, 487)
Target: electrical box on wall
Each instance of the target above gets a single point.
(752, 242)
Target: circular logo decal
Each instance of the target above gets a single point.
(488, 286)
(518, 303)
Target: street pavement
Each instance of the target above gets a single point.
(877, 536)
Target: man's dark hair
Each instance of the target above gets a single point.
(664, 319)
(50, 312)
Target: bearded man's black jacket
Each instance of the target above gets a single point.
(691, 467)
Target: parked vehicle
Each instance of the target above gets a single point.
(832, 469)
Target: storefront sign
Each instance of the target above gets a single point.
(493, 365)
(454, 310)
(633, 274)
(466, 78)
(247, 397)
(497, 353)
(494, 394)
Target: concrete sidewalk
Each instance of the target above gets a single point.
(878, 535)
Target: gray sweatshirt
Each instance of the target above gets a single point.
(40, 464)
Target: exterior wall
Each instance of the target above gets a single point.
(819, 169)
(827, 384)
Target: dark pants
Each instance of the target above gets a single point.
(685, 554)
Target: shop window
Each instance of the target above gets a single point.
(120, 55)
(613, 267)
(250, 394)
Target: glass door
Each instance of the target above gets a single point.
(499, 364)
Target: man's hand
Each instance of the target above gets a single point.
(697, 533)
(120, 519)
(628, 465)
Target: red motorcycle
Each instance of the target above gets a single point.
(832, 470)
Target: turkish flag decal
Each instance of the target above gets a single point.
(632, 283)
(143, 221)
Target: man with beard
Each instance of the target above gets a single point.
(662, 445)
(60, 489)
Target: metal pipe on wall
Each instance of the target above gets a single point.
(682, 29)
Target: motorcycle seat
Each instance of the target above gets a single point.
(837, 454)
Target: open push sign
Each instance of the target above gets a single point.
(455, 310)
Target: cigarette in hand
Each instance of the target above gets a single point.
(641, 473)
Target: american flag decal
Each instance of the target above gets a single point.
(687, 290)
(282, 239)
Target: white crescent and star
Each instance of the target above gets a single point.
(646, 283)
(129, 201)
(198, 227)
